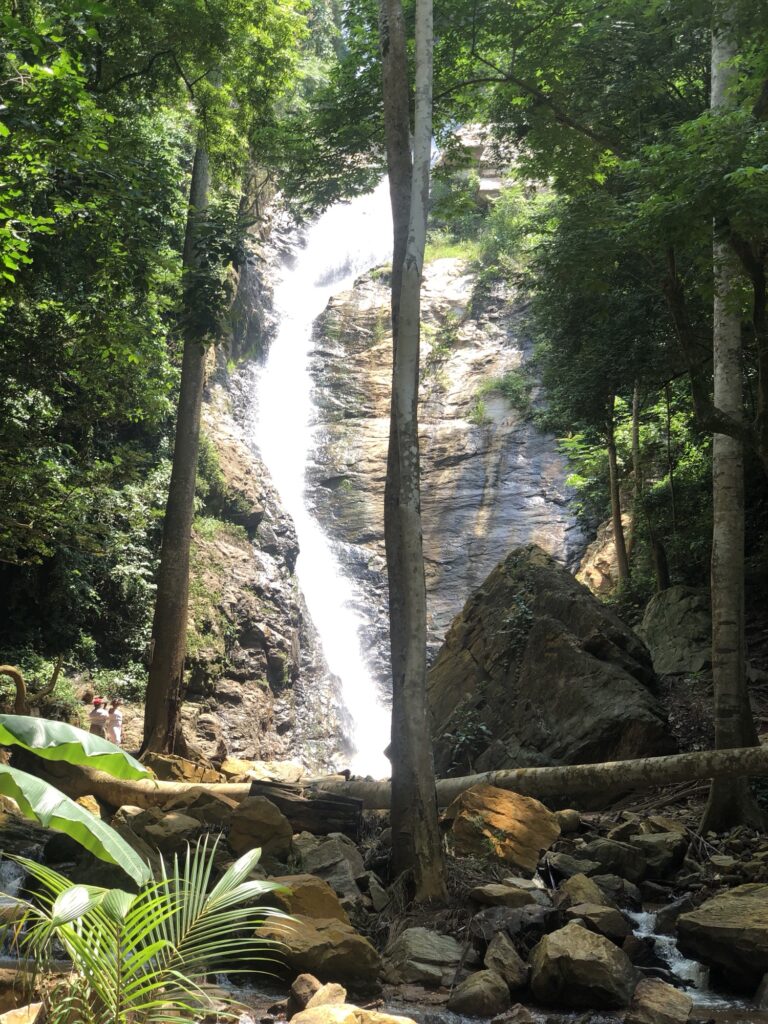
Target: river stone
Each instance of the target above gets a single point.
(502, 957)
(483, 994)
(207, 807)
(677, 627)
(729, 933)
(622, 859)
(423, 956)
(301, 991)
(307, 895)
(487, 821)
(566, 866)
(346, 1013)
(517, 1014)
(327, 995)
(618, 890)
(334, 858)
(580, 889)
(524, 925)
(33, 1013)
(575, 968)
(325, 947)
(663, 851)
(257, 822)
(496, 894)
(603, 920)
(551, 674)
(656, 1002)
(569, 820)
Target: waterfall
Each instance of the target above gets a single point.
(347, 240)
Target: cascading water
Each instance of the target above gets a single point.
(349, 239)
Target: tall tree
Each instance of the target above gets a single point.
(730, 802)
(169, 628)
(416, 838)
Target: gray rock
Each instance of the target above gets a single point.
(623, 859)
(618, 890)
(422, 956)
(729, 933)
(502, 957)
(663, 851)
(538, 662)
(603, 920)
(575, 968)
(656, 1002)
(677, 628)
(483, 994)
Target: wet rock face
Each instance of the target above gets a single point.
(490, 481)
(257, 683)
(729, 933)
(535, 670)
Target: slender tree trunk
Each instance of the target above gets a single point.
(622, 560)
(637, 472)
(169, 628)
(416, 839)
(729, 800)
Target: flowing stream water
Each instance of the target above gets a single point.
(346, 241)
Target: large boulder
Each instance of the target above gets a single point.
(483, 994)
(576, 968)
(487, 821)
(325, 947)
(677, 627)
(422, 956)
(503, 958)
(346, 1013)
(307, 895)
(334, 858)
(729, 933)
(534, 670)
(257, 822)
(656, 1002)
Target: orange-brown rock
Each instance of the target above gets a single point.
(309, 896)
(486, 821)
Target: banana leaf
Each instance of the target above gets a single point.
(58, 741)
(43, 803)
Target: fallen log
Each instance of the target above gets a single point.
(562, 784)
(313, 810)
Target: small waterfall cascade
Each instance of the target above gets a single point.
(346, 241)
(692, 975)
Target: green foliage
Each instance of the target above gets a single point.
(143, 957)
(478, 414)
(57, 741)
(515, 385)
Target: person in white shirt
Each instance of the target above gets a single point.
(98, 717)
(114, 729)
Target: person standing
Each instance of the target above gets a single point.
(98, 717)
(114, 727)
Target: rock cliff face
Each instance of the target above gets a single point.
(534, 670)
(258, 684)
(490, 480)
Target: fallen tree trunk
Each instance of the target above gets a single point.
(313, 810)
(566, 783)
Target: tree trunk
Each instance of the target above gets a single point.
(622, 561)
(416, 839)
(729, 801)
(561, 784)
(637, 472)
(169, 627)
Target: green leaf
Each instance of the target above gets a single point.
(73, 903)
(58, 741)
(41, 802)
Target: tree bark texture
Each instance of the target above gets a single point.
(622, 559)
(729, 801)
(169, 627)
(566, 783)
(416, 839)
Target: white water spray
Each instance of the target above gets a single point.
(349, 239)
